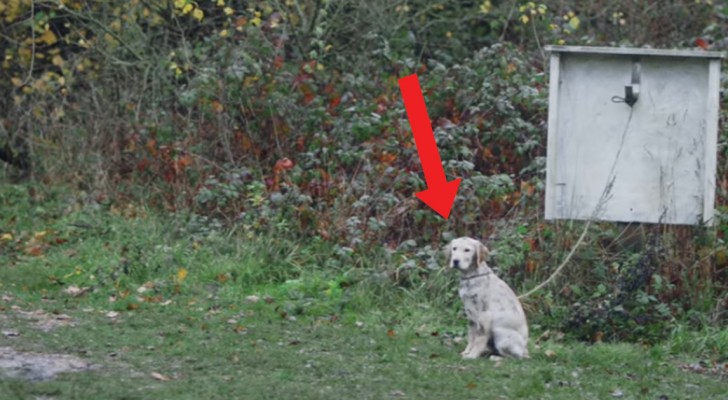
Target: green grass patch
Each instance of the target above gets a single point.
(167, 312)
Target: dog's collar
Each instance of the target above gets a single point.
(467, 278)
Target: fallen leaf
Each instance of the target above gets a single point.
(75, 291)
(112, 314)
(390, 332)
(549, 353)
(396, 393)
(11, 334)
(252, 299)
(159, 377)
(471, 385)
(35, 251)
(181, 275)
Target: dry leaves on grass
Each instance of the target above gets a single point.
(707, 368)
(43, 320)
(160, 377)
(75, 291)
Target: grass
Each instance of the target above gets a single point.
(168, 315)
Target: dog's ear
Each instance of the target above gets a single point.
(482, 252)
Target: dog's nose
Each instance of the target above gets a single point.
(456, 263)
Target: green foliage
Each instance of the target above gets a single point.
(283, 119)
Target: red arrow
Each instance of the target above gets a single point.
(440, 193)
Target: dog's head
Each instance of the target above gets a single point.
(465, 253)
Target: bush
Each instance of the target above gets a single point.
(284, 118)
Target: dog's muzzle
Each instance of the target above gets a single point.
(456, 264)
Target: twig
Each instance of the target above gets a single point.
(32, 43)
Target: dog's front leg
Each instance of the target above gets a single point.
(478, 343)
(472, 325)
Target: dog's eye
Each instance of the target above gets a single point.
(454, 248)
(467, 250)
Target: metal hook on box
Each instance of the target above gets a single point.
(631, 92)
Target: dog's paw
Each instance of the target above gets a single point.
(470, 356)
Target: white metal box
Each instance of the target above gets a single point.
(653, 161)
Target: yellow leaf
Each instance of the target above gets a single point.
(198, 14)
(179, 3)
(486, 7)
(228, 11)
(17, 82)
(187, 8)
(40, 235)
(58, 61)
(48, 37)
(524, 19)
(181, 275)
(220, 3)
(6, 236)
(574, 22)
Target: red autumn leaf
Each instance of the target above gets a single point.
(702, 43)
(142, 165)
(284, 164)
(307, 92)
(152, 147)
(278, 62)
(387, 158)
(182, 163)
(335, 101)
(390, 333)
(35, 251)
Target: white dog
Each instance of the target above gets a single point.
(496, 321)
